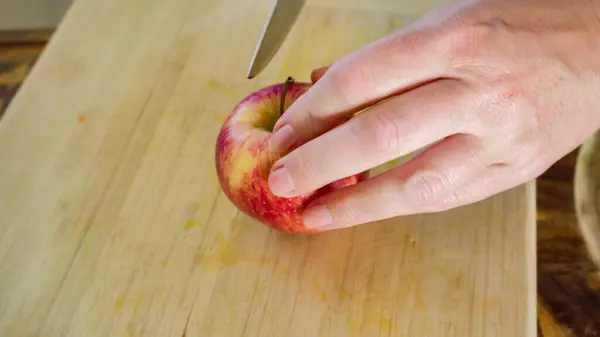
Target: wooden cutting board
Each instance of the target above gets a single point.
(112, 222)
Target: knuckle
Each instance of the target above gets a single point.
(343, 212)
(520, 125)
(422, 41)
(461, 197)
(513, 114)
(479, 154)
(427, 188)
(468, 38)
(311, 118)
(452, 200)
(411, 40)
(378, 133)
(349, 78)
(304, 171)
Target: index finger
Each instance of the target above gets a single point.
(386, 67)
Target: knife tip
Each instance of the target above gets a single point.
(251, 74)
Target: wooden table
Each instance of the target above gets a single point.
(112, 222)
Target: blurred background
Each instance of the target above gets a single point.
(25, 27)
(31, 14)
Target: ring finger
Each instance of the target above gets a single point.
(425, 181)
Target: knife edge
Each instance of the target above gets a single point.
(280, 22)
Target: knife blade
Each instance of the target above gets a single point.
(280, 22)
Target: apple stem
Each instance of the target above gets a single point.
(286, 86)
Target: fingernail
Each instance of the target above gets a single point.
(280, 181)
(283, 138)
(317, 217)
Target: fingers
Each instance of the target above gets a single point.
(316, 74)
(428, 179)
(384, 132)
(386, 67)
(492, 180)
(495, 179)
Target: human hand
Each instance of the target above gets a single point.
(501, 88)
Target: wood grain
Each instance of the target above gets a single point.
(112, 222)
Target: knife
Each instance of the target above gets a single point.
(277, 27)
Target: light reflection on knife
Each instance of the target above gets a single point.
(281, 21)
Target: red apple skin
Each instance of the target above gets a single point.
(244, 158)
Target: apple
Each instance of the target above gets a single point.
(244, 159)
